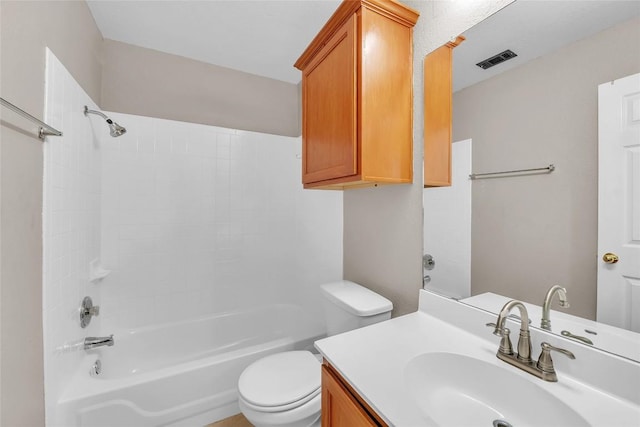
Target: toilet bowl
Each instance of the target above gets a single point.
(283, 389)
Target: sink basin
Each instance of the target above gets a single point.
(455, 390)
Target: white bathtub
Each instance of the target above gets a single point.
(180, 374)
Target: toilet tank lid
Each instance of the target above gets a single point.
(356, 299)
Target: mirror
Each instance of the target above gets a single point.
(514, 236)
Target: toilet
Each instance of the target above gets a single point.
(283, 389)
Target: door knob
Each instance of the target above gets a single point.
(610, 258)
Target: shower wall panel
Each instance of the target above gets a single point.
(71, 226)
(199, 219)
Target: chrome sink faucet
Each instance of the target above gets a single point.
(522, 359)
(545, 323)
(94, 342)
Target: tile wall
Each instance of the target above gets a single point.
(71, 225)
(199, 220)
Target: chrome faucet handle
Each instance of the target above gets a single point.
(87, 311)
(545, 363)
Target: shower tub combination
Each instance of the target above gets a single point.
(180, 374)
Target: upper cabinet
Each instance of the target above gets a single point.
(357, 94)
(438, 88)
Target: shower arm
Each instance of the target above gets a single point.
(115, 129)
(87, 112)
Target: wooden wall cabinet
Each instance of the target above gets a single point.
(438, 116)
(357, 91)
(341, 405)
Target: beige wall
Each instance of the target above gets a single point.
(146, 82)
(529, 233)
(383, 225)
(25, 29)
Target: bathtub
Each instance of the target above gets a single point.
(180, 374)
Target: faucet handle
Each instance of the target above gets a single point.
(505, 343)
(497, 331)
(87, 311)
(546, 347)
(501, 332)
(545, 363)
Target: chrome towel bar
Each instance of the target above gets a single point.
(45, 129)
(547, 169)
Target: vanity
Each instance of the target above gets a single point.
(438, 367)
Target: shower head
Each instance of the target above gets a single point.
(115, 129)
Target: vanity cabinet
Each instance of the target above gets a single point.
(438, 115)
(357, 84)
(341, 405)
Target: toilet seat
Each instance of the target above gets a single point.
(280, 382)
(282, 408)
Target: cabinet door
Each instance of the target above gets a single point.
(438, 117)
(329, 102)
(339, 408)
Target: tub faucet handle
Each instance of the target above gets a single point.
(87, 311)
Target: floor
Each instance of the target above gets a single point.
(235, 421)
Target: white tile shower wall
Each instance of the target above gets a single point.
(199, 220)
(71, 226)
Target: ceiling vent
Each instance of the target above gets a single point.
(496, 59)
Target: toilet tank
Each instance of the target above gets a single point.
(350, 306)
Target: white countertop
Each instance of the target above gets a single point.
(373, 361)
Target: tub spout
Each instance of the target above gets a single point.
(94, 342)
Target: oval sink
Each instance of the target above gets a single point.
(455, 390)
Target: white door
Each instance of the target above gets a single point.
(619, 203)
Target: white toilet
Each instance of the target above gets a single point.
(284, 389)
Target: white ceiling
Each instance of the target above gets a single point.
(532, 29)
(263, 37)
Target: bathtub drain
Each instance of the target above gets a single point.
(501, 423)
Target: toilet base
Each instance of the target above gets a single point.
(307, 415)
